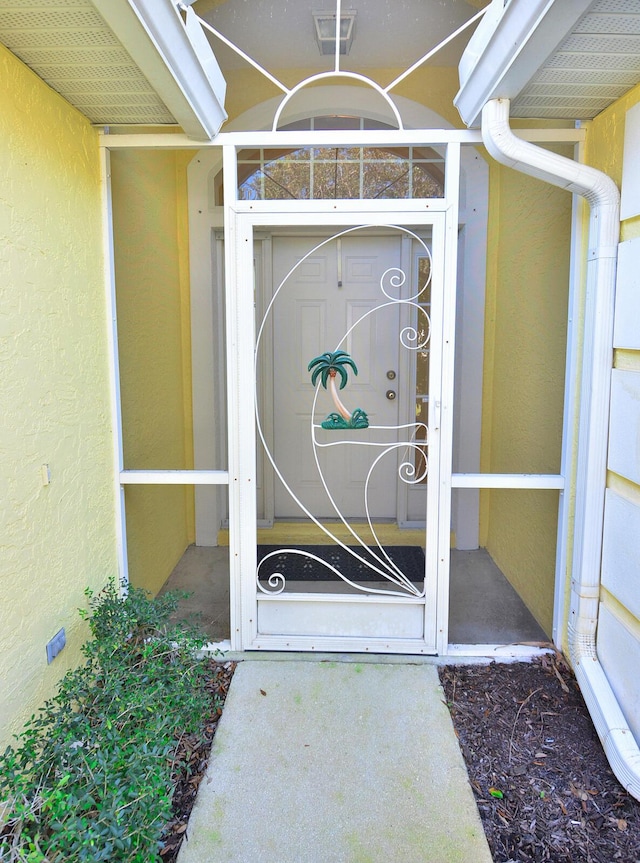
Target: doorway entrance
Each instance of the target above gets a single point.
(254, 225)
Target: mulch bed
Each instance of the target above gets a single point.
(191, 759)
(543, 786)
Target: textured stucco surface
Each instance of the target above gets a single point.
(605, 138)
(527, 293)
(150, 242)
(55, 540)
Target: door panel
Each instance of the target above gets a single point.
(334, 301)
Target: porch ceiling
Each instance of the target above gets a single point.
(553, 59)
(394, 34)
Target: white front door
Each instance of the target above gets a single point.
(334, 300)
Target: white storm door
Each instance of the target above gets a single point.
(332, 301)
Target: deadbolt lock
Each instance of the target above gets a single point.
(391, 394)
(391, 375)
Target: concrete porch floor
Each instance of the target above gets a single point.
(483, 608)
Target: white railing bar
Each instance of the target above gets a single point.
(354, 205)
(114, 369)
(337, 45)
(352, 599)
(435, 50)
(174, 477)
(507, 480)
(242, 54)
(337, 137)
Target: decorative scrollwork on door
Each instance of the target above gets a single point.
(330, 371)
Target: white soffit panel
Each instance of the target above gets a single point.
(554, 59)
(70, 47)
(597, 62)
(120, 61)
(626, 333)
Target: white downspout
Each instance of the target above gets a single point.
(602, 195)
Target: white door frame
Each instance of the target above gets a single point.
(241, 219)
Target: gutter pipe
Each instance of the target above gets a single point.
(602, 195)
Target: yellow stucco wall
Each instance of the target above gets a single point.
(152, 283)
(523, 392)
(605, 137)
(54, 400)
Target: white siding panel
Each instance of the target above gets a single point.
(621, 551)
(619, 653)
(627, 316)
(624, 434)
(630, 200)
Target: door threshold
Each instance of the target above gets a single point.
(470, 654)
(307, 533)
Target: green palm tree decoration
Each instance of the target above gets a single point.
(327, 367)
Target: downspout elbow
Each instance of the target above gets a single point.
(596, 187)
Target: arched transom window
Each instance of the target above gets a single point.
(325, 172)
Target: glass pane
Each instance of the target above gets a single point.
(287, 179)
(424, 281)
(340, 172)
(386, 179)
(347, 181)
(422, 356)
(420, 461)
(427, 182)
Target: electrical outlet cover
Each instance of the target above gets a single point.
(55, 645)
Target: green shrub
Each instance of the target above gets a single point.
(90, 778)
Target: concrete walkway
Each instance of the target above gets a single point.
(326, 762)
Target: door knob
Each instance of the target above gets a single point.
(391, 394)
(391, 375)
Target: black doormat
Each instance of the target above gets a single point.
(408, 558)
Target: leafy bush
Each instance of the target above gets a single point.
(91, 776)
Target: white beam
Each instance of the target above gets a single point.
(335, 138)
(174, 477)
(506, 480)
